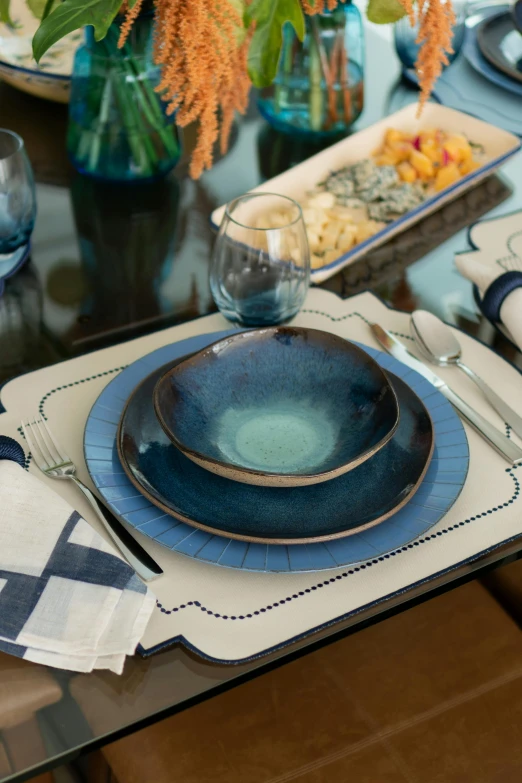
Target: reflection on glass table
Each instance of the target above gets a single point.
(21, 346)
(17, 200)
(126, 237)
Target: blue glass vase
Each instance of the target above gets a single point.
(118, 128)
(318, 91)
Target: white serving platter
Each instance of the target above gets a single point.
(51, 78)
(499, 146)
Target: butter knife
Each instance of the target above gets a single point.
(506, 447)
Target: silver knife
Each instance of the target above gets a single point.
(506, 447)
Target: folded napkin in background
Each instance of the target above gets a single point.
(495, 268)
(66, 597)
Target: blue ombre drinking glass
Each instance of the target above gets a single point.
(405, 36)
(17, 199)
(260, 268)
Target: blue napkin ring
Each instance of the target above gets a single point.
(10, 449)
(496, 293)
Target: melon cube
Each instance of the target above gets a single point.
(406, 172)
(428, 134)
(446, 176)
(458, 148)
(421, 163)
(400, 150)
(392, 135)
(432, 150)
(467, 166)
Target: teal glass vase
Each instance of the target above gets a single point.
(118, 127)
(318, 91)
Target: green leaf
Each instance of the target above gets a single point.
(48, 8)
(4, 12)
(385, 11)
(37, 7)
(71, 15)
(265, 47)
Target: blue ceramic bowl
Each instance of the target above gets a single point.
(281, 406)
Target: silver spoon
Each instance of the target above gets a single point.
(440, 346)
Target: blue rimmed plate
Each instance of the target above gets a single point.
(475, 58)
(439, 489)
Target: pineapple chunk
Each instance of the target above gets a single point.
(330, 235)
(446, 176)
(367, 229)
(467, 166)
(316, 262)
(347, 239)
(314, 240)
(421, 163)
(329, 256)
(314, 217)
(406, 172)
(322, 200)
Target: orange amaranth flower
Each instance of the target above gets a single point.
(435, 19)
(319, 6)
(408, 7)
(201, 47)
(131, 14)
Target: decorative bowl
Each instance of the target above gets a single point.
(281, 406)
(51, 78)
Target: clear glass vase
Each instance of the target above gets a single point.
(319, 88)
(118, 128)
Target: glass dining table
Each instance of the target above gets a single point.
(111, 263)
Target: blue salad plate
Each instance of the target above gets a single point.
(404, 494)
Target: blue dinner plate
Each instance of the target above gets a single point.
(476, 59)
(439, 489)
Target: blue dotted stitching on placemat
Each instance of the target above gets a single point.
(41, 405)
(74, 383)
(351, 571)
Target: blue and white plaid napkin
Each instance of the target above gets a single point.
(67, 599)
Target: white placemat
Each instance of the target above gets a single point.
(224, 614)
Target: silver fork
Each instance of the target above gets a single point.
(52, 460)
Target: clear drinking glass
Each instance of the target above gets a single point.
(17, 200)
(260, 268)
